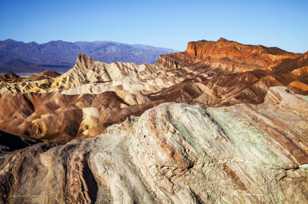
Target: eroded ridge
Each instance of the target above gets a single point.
(222, 122)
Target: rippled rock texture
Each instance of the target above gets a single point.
(173, 153)
(221, 122)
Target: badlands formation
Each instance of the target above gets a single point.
(221, 122)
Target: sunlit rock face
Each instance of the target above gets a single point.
(233, 57)
(221, 122)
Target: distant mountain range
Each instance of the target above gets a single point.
(17, 56)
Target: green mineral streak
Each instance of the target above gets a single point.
(250, 141)
(305, 98)
(185, 131)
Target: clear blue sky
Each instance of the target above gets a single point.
(166, 23)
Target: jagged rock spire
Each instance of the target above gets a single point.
(84, 60)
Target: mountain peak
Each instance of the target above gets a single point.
(9, 40)
(84, 60)
(221, 39)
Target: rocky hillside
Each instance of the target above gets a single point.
(221, 122)
(289, 69)
(20, 57)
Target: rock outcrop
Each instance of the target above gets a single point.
(173, 153)
(232, 57)
(221, 122)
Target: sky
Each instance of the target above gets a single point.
(164, 23)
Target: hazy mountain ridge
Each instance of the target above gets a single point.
(18, 56)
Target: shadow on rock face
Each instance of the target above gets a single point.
(10, 142)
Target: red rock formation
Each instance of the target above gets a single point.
(230, 56)
(242, 55)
